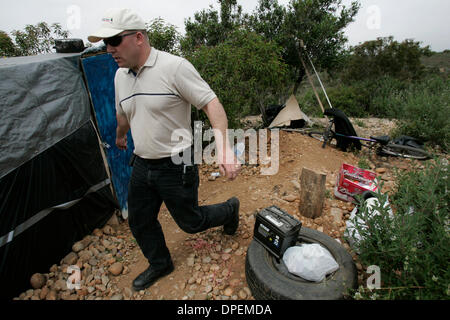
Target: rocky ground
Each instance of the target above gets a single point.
(211, 265)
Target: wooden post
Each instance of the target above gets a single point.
(312, 193)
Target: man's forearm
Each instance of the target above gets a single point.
(121, 132)
(218, 118)
(122, 126)
(219, 122)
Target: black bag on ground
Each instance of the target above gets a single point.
(408, 141)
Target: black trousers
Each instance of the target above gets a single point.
(155, 181)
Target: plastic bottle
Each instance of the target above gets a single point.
(239, 149)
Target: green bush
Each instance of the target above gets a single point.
(412, 246)
(345, 98)
(385, 56)
(348, 99)
(424, 112)
(422, 107)
(308, 103)
(377, 98)
(245, 72)
(382, 96)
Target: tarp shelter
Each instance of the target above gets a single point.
(291, 112)
(54, 185)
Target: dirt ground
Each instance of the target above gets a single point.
(211, 265)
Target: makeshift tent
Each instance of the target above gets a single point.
(289, 114)
(54, 187)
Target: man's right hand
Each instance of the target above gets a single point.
(121, 143)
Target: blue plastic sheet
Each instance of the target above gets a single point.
(100, 71)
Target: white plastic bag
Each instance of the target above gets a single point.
(310, 261)
(351, 232)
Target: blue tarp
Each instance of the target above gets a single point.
(99, 71)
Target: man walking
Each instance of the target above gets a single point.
(154, 91)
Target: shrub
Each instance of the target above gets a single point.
(377, 97)
(382, 96)
(385, 56)
(411, 247)
(424, 112)
(345, 98)
(245, 72)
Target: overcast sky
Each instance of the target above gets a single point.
(422, 20)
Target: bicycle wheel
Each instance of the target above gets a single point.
(302, 131)
(319, 135)
(404, 151)
(316, 135)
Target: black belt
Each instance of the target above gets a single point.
(166, 159)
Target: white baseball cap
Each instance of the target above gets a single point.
(115, 21)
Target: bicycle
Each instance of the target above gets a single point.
(344, 136)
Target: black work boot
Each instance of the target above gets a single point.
(149, 276)
(231, 226)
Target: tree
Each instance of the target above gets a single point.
(245, 72)
(7, 47)
(211, 27)
(39, 38)
(386, 57)
(319, 23)
(268, 20)
(163, 36)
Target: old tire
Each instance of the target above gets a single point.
(269, 279)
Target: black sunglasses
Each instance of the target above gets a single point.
(116, 40)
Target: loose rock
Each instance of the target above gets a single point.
(108, 230)
(336, 214)
(242, 294)
(226, 256)
(38, 280)
(116, 268)
(60, 285)
(43, 293)
(228, 292)
(52, 295)
(78, 246)
(70, 259)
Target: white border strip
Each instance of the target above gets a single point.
(42, 214)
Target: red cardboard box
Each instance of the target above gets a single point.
(353, 180)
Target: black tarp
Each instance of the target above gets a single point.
(54, 187)
(43, 99)
(343, 126)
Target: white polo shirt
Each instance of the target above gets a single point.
(157, 103)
